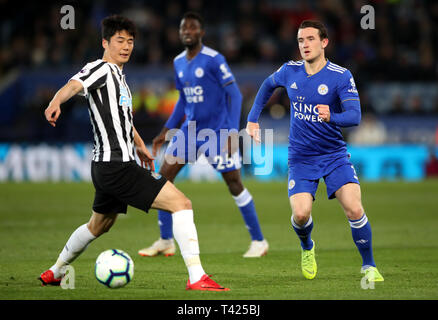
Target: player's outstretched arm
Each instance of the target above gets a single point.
(265, 92)
(53, 111)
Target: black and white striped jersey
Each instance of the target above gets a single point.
(110, 109)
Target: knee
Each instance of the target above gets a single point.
(354, 213)
(301, 215)
(183, 204)
(187, 204)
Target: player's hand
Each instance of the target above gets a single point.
(52, 113)
(146, 159)
(253, 130)
(157, 142)
(323, 112)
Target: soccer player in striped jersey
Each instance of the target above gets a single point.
(210, 98)
(323, 99)
(118, 180)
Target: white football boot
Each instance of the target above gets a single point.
(257, 249)
(165, 247)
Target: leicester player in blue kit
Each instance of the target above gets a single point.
(323, 98)
(210, 101)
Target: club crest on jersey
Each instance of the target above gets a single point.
(322, 89)
(180, 74)
(155, 175)
(199, 72)
(291, 184)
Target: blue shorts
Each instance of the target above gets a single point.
(211, 149)
(334, 179)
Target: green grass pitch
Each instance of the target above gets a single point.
(37, 219)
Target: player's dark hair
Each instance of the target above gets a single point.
(323, 34)
(116, 23)
(195, 16)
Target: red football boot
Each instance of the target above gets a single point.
(205, 284)
(48, 278)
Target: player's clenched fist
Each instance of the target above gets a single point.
(323, 112)
(253, 130)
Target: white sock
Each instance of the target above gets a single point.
(185, 234)
(243, 198)
(76, 244)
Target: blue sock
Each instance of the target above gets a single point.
(304, 233)
(247, 209)
(165, 223)
(361, 232)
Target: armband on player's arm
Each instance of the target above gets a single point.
(235, 105)
(265, 92)
(177, 114)
(350, 116)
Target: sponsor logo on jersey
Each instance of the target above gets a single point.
(304, 111)
(124, 100)
(194, 94)
(294, 85)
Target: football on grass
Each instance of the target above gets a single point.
(114, 268)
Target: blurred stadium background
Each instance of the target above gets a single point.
(394, 65)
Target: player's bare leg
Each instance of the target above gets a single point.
(76, 244)
(302, 223)
(349, 196)
(173, 200)
(259, 246)
(301, 205)
(101, 223)
(165, 244)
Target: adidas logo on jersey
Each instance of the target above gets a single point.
(294, 85)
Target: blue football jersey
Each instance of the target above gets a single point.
(332, 85)
(201, 81)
